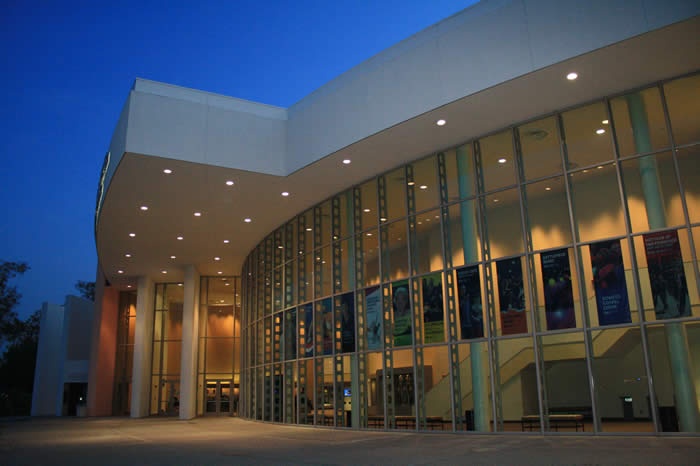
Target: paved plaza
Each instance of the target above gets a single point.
(214, 441)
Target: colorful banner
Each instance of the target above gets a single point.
(308, 318)
(326, 324)
(558, 293)
(667, 275)
(290, 335)
(609, 283)
(373, 308)
(433, 310)
(347, 325)
(403, 317)
(471, 320)
(511, 296)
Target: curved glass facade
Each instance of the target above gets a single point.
(540, 278)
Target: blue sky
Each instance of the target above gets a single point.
(67, 67)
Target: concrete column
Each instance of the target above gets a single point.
(143, 348)
(190, 340)
(677, 342)
(467, 214)
(103, 346)
(47, 395)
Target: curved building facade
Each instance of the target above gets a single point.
(490, 227)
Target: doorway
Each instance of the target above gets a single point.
(219, 398)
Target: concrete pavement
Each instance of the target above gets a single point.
(215, 441)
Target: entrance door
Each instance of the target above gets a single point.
(218, 398)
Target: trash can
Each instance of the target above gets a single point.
(469, 419)
(668, 419)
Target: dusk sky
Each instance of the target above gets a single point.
(67, 67)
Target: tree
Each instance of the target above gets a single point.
(9, 298)
(86, 289)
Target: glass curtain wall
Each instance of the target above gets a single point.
(124, 358)
(219, 346)
(167, 349)
(542, 278)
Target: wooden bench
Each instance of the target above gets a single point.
(407, 422)
(532, 422)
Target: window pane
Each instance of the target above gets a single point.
(503, 221)
(220, 321)
(689, 168)
(395, 257)
(683, 101)
(461, 178)
(596, 202)
(396, 194)
(558, 304)
(219, 355)
(566, 380)
(539, 143)
(427, 255)
(465, 240)
(426, 188)
(548, 213)
(652, 192)
(640, 125)
(497, 160)
(588, 138)
(324, 236)
(518, 382)
(370, 252)
(368, 194)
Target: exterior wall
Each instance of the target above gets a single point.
(47, 373)
(103, 344)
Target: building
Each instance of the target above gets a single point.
(491, 226)
(63, 354)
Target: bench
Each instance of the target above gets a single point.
(406, 422)
(532, 422)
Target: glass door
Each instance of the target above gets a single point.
(218, 398)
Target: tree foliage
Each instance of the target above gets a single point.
(86, 289)
(9, 298)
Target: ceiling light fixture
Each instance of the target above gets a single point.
(423, 186)
(441, 122)
(366, 210)
(163, 271)
(217, 258)
(347, 161)
(502, 160)
(572, 76)
(219, 272)
(285, 194)
(127, 255)
(309, 229)
(600, 131)
(144, 207)
(226, 241)
(229, 182)
(180, 238)
(247, 220)
(172, 257)
(605, 122)
(197, 214)
(167, 171)
(133, 235)
(120, 271)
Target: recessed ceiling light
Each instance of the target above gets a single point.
(226, 284)
(144, 207)
(133, 235)
(180, 238)
(382, 219)
(285, 194)
(599, 166)
(599, 131)
(585, 171)
(120, 271)
(411, 183)
(128, 286)
(309, 229)
(167, 171)
(247, 220)
(172, 257)
(226, 241)
(163, 271)
(495, 200)
(179, 284)
(423, 186)
(197, 214)
(605, 122)
(280, 247)
(217, 258)
(547, 188)
(502, 160)
(369, 234)
(127, 255)
(572, 76)
(347, 161)
(219, 272)
(229, 182)
(441, 122)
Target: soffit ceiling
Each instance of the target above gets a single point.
(173, 199)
